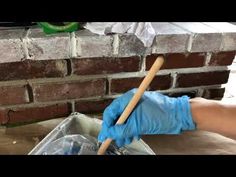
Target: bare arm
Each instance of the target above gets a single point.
(214, 116)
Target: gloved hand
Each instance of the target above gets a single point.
(154, 114)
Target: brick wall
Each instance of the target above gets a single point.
(45, 77)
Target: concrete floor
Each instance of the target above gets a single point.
(22, 139)
(191, 143)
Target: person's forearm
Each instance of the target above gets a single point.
(214, 116)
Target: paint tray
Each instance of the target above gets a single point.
(80, 124)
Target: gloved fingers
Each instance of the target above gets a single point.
(128, 141)
(120, 142)
(123, 142)
(120, 131)
(115, 132)
(103, 134)
(116, 108)
(101, 137)
(111, 113)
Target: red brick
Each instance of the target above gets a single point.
(34, 113)
(29, 69)
(88, 66)
(178, 60)
(92, 106)
(69, 90)
(191, 94)
(204, 78)
(214, 93)
(10, 95)
(124, 84)
(222, 58)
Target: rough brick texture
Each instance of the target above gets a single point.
(205, 78)
(222, 58)
(46, 47)
(29, 69)
(90, 45)
(203, 37)
(178, 60)
(11, 46)
(10, 95)
(229, 34)
(89, 66)
(169, 38)
(173, 43)
(36, 113)
(214, 93)
(46, 76)
(68, 90)
(130, 45)
(124, 84)
(92, 106)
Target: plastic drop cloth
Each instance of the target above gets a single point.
(143, 30)
(81, 145)
(77, 135)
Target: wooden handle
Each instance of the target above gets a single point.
(129, 108)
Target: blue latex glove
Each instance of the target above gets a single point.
(154, 114)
